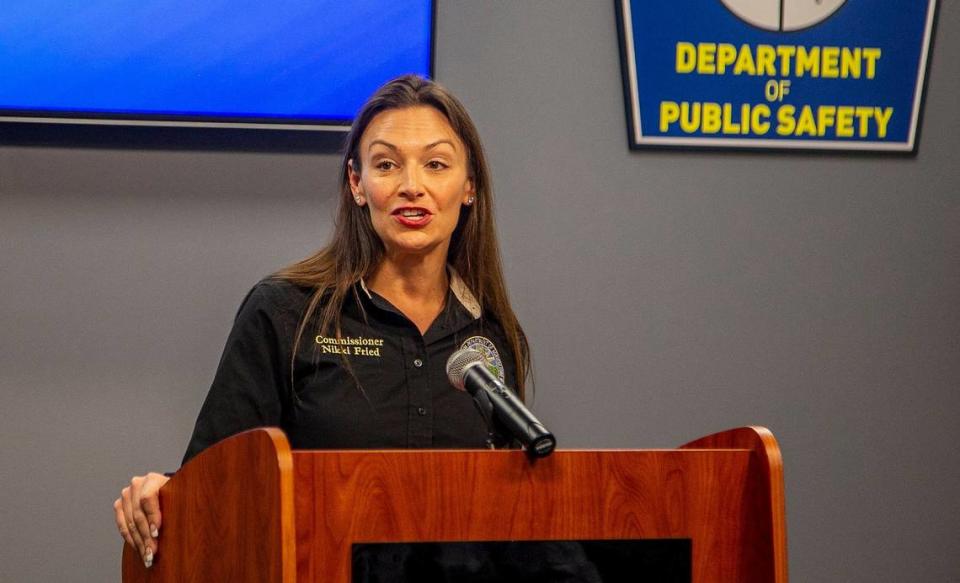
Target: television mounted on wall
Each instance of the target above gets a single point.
(287, 64)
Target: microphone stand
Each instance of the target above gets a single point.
(485, 407)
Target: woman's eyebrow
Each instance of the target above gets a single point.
(382, 143)
(438, 142)
(429, 146)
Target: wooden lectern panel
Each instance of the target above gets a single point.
(227, 516)
(766, 504)
(249, 509)
(706, 495)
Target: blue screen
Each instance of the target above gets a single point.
(283, 60)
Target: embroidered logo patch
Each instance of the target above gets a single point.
(485, 347)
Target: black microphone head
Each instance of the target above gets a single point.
(459, 362)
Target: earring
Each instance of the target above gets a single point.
(470, 201)
(357, 199)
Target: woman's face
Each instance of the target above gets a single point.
(414, 178)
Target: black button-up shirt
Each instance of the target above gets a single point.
(403, 400)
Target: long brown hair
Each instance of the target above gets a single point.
(356, 250)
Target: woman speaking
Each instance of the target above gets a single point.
(346, 348)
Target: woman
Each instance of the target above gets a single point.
(346, 349)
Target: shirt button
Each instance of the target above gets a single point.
(418, 363)
(421, 411)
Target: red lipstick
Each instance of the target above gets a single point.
(413, 217)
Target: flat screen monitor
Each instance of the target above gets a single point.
(287, 64)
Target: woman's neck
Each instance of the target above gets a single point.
(416, 285)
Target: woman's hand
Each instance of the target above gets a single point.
(137, 512)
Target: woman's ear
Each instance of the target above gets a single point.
(355, 188)
(469, 193)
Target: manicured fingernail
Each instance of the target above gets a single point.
(148, 559)
(154, 531)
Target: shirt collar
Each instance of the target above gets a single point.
(463, 294)
(457, 286)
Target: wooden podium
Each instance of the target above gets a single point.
(250, 509)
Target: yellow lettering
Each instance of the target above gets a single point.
(758, 119)
(785, 52)
(745, 118)
(826, 117)
(845, 121)
(806, 125)
(863, 116)
(711, 118)
(686, 57)
(689, 117)
(808, 61)
(669, 113)
(726, 56)
(830, 62)
(850, 63)
(883, 118)
(745, 62)
(785, 120)
(706, 53)
(739, 119)
(729, 128)
(872, 55)
(766, 56)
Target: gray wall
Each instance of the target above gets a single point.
(667, 295)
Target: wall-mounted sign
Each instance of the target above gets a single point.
(810, 74)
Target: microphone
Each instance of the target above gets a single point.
(467, 371)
